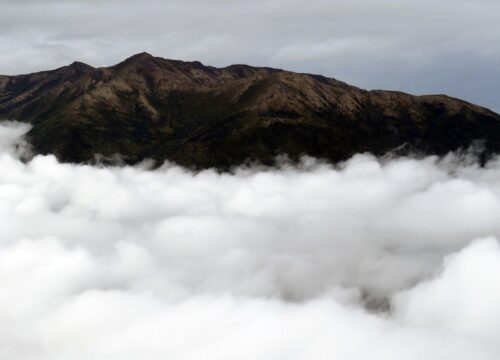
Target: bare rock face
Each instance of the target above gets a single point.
(200, 116)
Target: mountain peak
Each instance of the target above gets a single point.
(81, 67)
(200, 116)
(141, 56)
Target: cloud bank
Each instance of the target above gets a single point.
(380, 259)
(417, 46)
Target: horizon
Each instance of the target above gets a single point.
(236, 64)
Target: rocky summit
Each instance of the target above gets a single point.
(201, 116)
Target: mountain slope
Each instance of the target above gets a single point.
(201, 116)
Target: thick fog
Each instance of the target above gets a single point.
(372, 259)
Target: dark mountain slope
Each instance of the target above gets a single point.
(201, 116)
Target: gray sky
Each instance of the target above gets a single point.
(418, 46)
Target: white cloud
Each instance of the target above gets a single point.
(463, 298)
(297, 262)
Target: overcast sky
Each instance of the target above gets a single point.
(419, 46)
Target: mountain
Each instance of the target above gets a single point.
(201, 116)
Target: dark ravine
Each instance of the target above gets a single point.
(200, 116)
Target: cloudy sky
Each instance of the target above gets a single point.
(446, 46)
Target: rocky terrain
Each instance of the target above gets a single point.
(200, 116)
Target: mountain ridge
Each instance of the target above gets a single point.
(202, 116)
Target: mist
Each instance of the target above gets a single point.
(373, 258)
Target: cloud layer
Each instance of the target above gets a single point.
(380, 259)
(418, 46)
